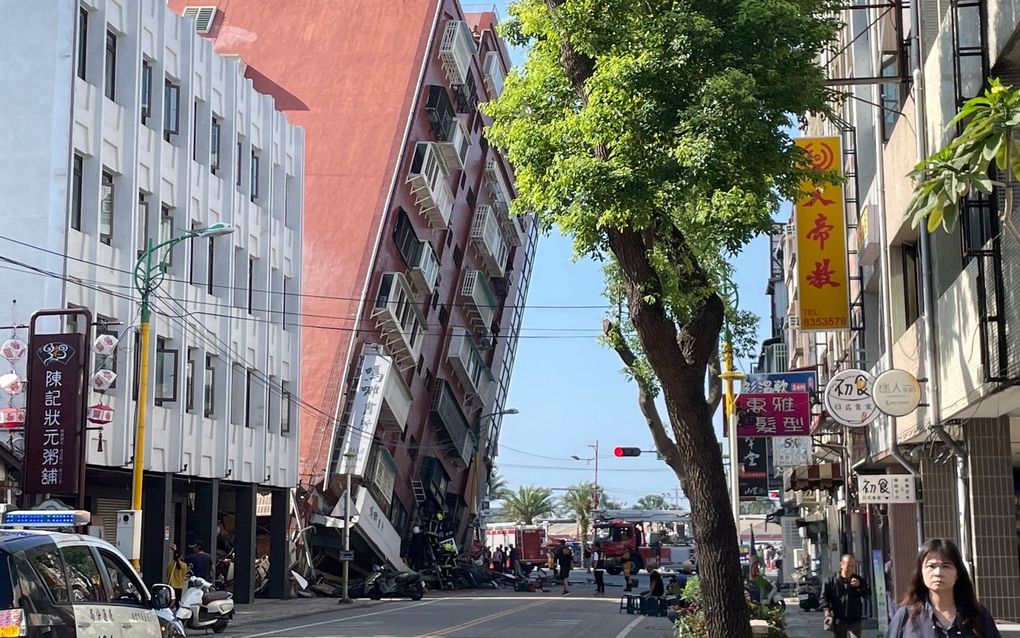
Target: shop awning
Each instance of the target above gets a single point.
(820, 476)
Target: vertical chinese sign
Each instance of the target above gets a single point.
(55, 378)
(754, 475)
(364, 415)
(822, 280)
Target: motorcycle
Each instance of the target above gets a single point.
(388, 582)
(170, 626)
(774, 599)
(202, 607)
(809, 592)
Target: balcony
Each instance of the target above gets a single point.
(468, 363)
(487, 238)
(457, 50)
(399, 319)
(429, 185)
(424, 269)
(447, 417)
(513, 231)
(439, 110)
(481, 300)
(455, 145)
(494, 74)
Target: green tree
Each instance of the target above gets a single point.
(651, 502)
(528, 503)
(576, 502)
(609, 503)
(655, 134)
(990, 139)
(498, 489)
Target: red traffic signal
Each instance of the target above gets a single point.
(627, 451)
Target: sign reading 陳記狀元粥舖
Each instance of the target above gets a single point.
(52, 463)
(773, 414)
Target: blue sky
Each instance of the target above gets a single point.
(570, 390)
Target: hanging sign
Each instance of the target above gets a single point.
(886, 488)
(774, 414)
(799, 381)
(848, 398)
(754, 476)
(55, 385)
(822, 280)
(897, 392)
(791, 451)
(364, 415)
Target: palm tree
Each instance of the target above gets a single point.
(577, 502)
(651, 502)
(498, 489)
(528, 503)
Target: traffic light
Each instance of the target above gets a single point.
(627, 451)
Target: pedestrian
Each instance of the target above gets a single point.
(566, 562)
(940, 600)
(199, 562)
(628, 566)
(487, 557)
(843, 599)
(499, 558)
(587, 557)
(656, 586)
(177, 571)
(599, 568)
(515, 562)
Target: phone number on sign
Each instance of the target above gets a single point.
(823, 322)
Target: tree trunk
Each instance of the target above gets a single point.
(680, 360)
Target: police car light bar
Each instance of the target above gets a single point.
(47, 518)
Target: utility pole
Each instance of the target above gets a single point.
(346, 599)
(729, 375)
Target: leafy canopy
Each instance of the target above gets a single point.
(685, 122)
(528, 503)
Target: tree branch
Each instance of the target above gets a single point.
(714, 383)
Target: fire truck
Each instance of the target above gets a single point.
(630, 532)
(530, 540)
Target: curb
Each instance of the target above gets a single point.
(298, 612)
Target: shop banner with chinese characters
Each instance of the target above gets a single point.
(886, 488)
(754, 475)
(774, 414)
(364, 415)
(822, 281)
(55, 377)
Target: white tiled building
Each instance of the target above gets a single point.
(121, 124)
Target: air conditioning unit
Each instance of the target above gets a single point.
(203, 17)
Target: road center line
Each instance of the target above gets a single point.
(334, 620)
(482, 620)
(626, 630)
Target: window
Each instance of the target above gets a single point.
(458, 256)
(398, 516)
(209, 382)
(106, 210)
(251, 284)
(210, 262)
(239, 149)
(77, 169)
(444, 316)
(471, 198)
(171, 109)
(146, 91)
(421, 363)
(891, 93)
(83, 41)
(50, 569)
(911, 284)
(166, 373)
(407, 242)
(214, 145)
(83, 575)
(189, 388)
(142, 238)
(286, 405)
(251, 398)
(110, 80)
(194, 132)
(429, 379)
(166, 231)
(254, 175)
(286, 284)
(126, 589)
(191, 256)
(238, 395)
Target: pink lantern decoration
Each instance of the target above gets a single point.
(12, 418)
(100, 414)
(103, 380)
(13, 349)
(105, 344)
(11, 383)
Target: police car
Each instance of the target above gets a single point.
(62, 585)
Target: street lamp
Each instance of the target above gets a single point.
(595, 495)
(346, 599)
(728, 376)
(147, 277)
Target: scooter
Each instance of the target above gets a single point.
(774, 599)
(202, 607)
(169, 624)
(809, 592)
(384, 581)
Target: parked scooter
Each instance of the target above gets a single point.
(774, 599)
(384, 581)
(202, 607)
(809, 592)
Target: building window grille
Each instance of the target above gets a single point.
(106, 210)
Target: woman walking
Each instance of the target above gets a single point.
(940, 602)
(599, 568)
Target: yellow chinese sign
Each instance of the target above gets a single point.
(821, 243)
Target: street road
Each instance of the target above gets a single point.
(475, 614)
